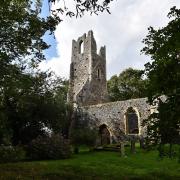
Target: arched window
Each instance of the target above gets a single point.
(81, 47)
(104, 135)
(98, 73)
(132, 122)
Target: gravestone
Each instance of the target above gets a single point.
(133, 146)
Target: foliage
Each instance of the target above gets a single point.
(82, 6)
(129, 84)
(30, 100)
(49, 147)
(164, 151)
(83, 132)
(11, 154)
(36, 103)
(163, 72)
(60, 107)
(21, 34)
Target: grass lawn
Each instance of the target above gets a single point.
(96, 165)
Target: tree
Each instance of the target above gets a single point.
(21, 33)
(22, 86)
(163, 72)
(35, 104)
(130, 84)
(59, 111)
(83, 131)
(82, 6)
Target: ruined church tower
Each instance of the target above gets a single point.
(87, 72)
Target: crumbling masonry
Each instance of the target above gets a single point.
(88, 90)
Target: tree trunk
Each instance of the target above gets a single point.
(161, 150)
(76, 150)
(170, 150)
(122, 150)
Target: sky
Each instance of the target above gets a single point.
(51, 40)
(122, 32)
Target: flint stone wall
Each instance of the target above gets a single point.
(113, 115)
(87, 72)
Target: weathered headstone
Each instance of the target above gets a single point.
(142, 143)
(133, 146)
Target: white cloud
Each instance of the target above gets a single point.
(121, 32)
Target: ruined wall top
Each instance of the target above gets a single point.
(87, 71)
(85, 44)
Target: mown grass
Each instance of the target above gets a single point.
(96, 165)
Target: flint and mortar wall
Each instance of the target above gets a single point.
(87, 72)
(114, 115)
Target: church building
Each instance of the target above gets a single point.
(88, 90)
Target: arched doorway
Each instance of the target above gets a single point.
(104, 135)
(131, 121)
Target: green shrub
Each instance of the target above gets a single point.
(49, 147)
(11, 154)
(84, 136)
(179, 156)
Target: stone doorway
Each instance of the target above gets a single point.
(104, 135)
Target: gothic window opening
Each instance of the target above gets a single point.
(132, 122)
(98, 73)
(81, 47)
(104, 135)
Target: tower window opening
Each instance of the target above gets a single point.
(81, 47)
(98, 73)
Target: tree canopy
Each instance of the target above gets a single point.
(163, 72)
(128, 85)
(82, 6)
(26, 93)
